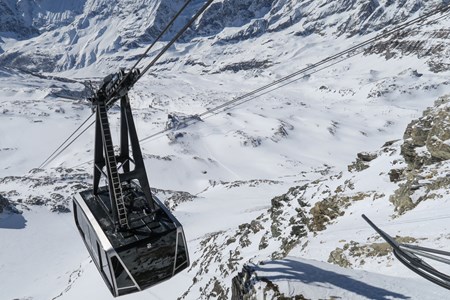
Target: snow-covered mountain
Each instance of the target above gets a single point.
(79, 34)
(270, 191)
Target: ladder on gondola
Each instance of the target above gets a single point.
(115, 186)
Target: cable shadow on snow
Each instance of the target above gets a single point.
(12, 221)
(291, 270)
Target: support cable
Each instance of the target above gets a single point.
(179, 34)
(73, 141)
(50, 159)
(168, 26)
(336, 56)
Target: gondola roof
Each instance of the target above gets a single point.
(142, 225)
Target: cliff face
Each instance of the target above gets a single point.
(29, 18)
(11, 24)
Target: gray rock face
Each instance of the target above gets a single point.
(427, 140)
(28, 18)
(426, 149)
(243, 286)
(12, 24)
(47, 190)
(6, 206)
(362, 161)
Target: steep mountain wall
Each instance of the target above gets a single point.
(25, 19)
(80, 33)
(12, 24)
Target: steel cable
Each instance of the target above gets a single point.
(48, 160)
(157, 39)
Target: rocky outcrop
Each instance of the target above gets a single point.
(306, 212)
(426, 150)
(354, 254)
(12, 23)
(48, 189)
(427, 140)
(7, 206)
(245, 282)
(172, 198)
(362, 161)
(274, 233)
(177, 121)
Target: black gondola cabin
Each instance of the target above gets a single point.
(153, 250)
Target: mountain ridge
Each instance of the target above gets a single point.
(81, 44)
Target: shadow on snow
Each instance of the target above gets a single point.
(291, 270)
(12, 221)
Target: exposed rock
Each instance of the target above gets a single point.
(175, 137)
(323, 212)
(177, 121)
(426, 145)
(419, 186)
(246, 65)
(395, 175)
(249, 183)
(7, 206)
(248, 140)
(389, 143)
(361, 161)
(427, 139)
(173, 198)
(358, 253)
(366, 156)
(224, 251)
(338, 257)
(241, 287)
(402, 197)
(218, 292)
(244, 283)
(35, 187)
(282, 131)
(60, 209)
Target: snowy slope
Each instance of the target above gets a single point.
(309, 279)
(221, 175)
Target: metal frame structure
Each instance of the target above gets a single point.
(410, 256)
(105, 158)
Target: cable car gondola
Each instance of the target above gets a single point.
(151, 251)
(133, 239)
